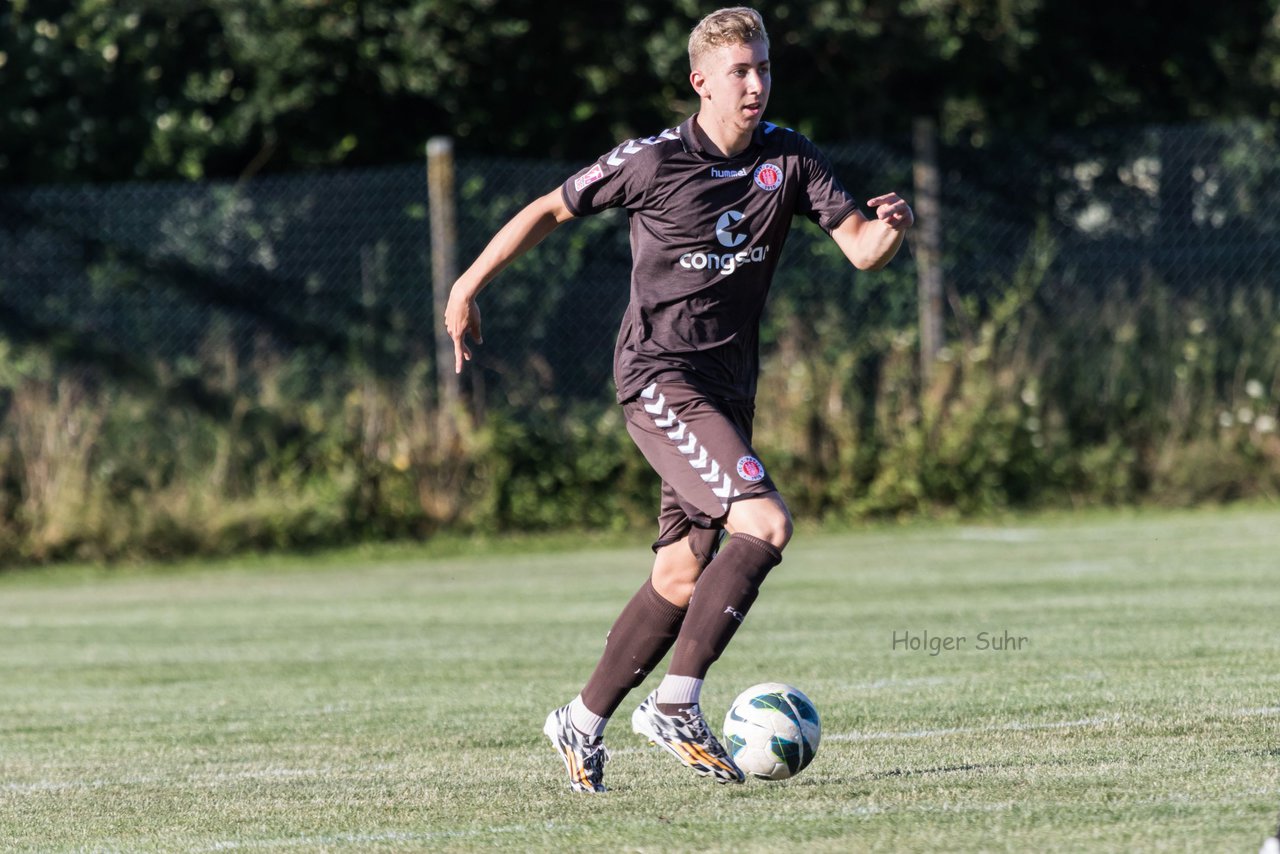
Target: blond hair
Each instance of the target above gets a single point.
(733, 26)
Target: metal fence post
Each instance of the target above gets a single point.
(928, 243)
(444, 267)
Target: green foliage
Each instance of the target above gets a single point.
(564, 468)
(212, 369)
(91, 92)
(1181, 407)
(229, 88)
(1134, 395)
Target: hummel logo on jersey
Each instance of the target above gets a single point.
(731, 231)
(728, 173)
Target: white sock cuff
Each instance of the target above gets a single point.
(679, 689)
(584, 720)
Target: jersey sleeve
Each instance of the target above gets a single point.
(822, 197)
(617, 180)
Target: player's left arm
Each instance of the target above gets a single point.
(870, 244)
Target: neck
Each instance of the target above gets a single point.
(723, 140)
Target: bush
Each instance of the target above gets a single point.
(1108, 400)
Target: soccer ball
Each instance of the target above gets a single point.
(772, 731)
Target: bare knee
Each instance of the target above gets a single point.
(778, 528)
(675, 572)
(765, 518)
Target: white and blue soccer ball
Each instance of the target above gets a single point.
(772, 731)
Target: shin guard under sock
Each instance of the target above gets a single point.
(640, 637)
(721, 599)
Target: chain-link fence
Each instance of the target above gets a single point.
(148, 274)
(1137, 265)
(338, 262)
(550, 321)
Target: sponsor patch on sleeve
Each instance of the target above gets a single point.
(586, 179)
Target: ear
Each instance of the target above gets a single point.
(698, 81)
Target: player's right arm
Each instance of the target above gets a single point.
(522, 232)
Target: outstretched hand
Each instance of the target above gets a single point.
(893, 211)
(461, 318)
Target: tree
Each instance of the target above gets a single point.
(234, 87)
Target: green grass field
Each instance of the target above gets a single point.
(396, 703)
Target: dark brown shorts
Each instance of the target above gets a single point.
(701, 448)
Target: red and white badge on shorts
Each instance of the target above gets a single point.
(750, 469)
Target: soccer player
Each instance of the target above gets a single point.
(710, 203)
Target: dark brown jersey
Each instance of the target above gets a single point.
(706, 234)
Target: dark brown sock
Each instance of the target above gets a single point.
(721, 599)
(640, 637)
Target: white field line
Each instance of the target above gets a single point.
(1012, 726)
(901, 735)
(476, 833)
(928, 681)
(200, 780)
(372, 772)
(916, 682)
(1001, 535)
(367, 838)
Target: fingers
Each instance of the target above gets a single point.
(458, 332)
(462, 318)
(892, 210)
(896, 217)
(460, 352)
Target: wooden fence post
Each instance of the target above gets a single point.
(444, 269)
(928, 242)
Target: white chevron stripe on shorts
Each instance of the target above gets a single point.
(695, 452)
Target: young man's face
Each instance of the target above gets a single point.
(734, 83)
